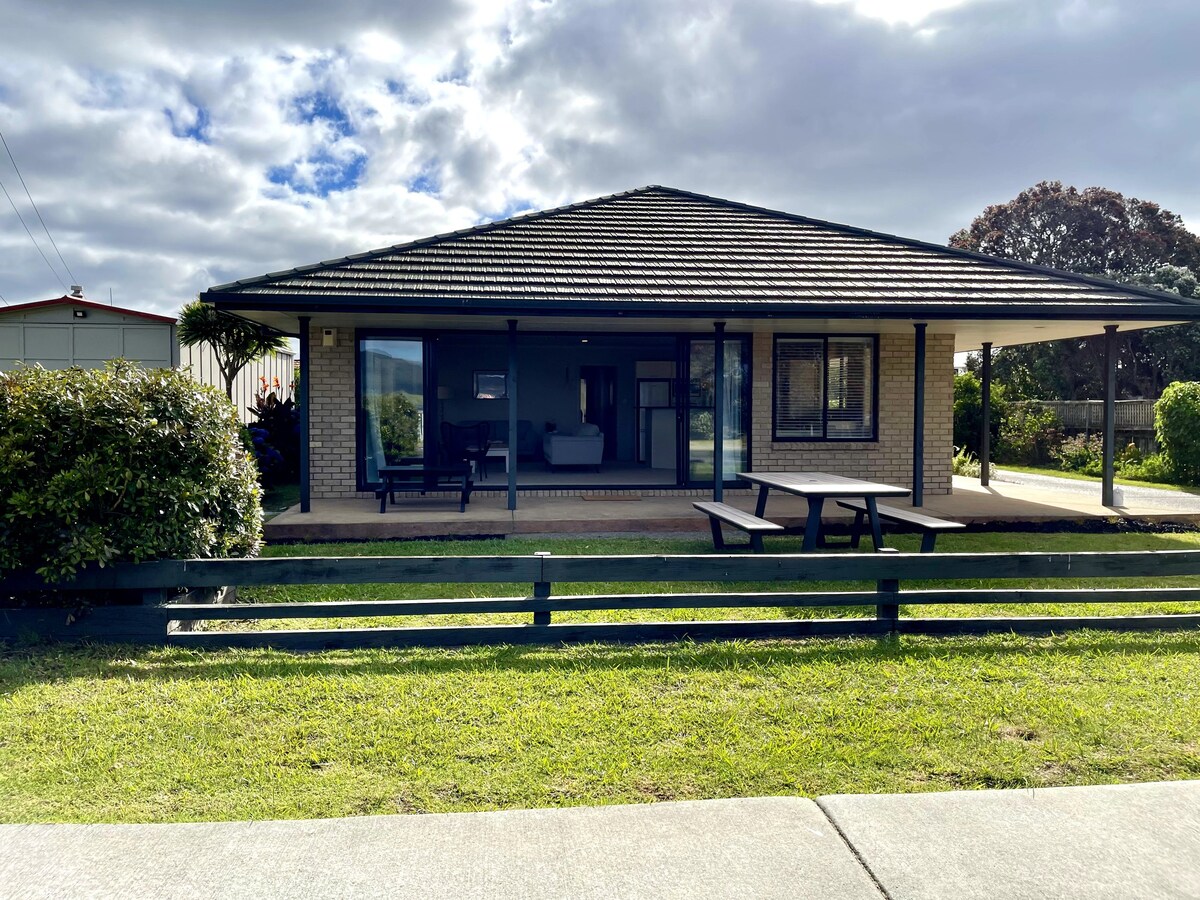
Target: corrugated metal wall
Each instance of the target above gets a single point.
(278, 364)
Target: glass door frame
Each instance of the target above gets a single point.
(684, 404)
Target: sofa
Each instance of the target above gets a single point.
(582, 447)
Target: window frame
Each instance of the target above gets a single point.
(824, 339)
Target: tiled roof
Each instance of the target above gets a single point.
(665, 247)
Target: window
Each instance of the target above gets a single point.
(825, 388)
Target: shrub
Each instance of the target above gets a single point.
(1154, 467)
(1028, 434)
(1177, 423)
(122, 463)
(275, 435)
(968, 412)
(1081, 453)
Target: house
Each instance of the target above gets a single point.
(606, 343)
(72, 331)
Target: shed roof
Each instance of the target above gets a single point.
(68, 300)
(670, 251)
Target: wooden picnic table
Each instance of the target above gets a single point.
(816, 488)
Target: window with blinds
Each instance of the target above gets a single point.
(825, 388)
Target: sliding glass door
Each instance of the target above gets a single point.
(701, 400)
(392, 398)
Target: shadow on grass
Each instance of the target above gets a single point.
(43, 664)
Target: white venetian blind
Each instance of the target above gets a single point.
(850, 383)
(799, 387)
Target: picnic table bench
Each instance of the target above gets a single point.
(929, 526)
(739, 519)
(428, 477)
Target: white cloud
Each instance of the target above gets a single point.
(174, 147)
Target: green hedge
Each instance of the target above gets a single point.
(122, 463)
(1177, 423)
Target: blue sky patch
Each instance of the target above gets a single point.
(321, 174)
(321, 106)
(425, 183)
(198, 130)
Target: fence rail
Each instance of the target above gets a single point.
(159, 621)
(1088, 415)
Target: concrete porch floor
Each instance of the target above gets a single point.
(438, 516)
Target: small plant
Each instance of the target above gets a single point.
(1177, 423)
(965, 463)
(1154, 467)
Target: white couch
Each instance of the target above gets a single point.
(582, 447)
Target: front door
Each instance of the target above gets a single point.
(700, 399)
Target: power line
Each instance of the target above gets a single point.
(57, 277)
(35, 209)
(2, 300)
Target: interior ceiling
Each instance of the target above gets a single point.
(969, 333)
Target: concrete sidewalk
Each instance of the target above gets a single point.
(1127, 841)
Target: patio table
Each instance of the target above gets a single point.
(816, 488)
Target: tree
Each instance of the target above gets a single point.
(235, 342)
(1100, 232)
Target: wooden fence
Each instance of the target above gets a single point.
(157, 622)
(1088, 415)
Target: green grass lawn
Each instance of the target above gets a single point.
(122, 734)
(116, 734)
(1079, 476)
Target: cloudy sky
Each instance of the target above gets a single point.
(171, 146)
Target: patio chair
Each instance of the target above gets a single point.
(467, 443)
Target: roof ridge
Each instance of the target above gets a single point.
(1092, 280)
(482, 228)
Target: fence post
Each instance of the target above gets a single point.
(541, 591)
(888, 613)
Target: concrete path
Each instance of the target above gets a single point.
(1125, 841)
(1127, 496)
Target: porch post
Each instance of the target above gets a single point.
(985, 438)
(305, 393)
(719, 412)
(918, 478)
(1110, 409)
(512, 414)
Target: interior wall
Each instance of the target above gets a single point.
(548, 368)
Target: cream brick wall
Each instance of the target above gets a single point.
(890, 458)
(332, 418)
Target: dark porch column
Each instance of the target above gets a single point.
(985, 437)
(305, 392)
(1110, 410)
(719, 412)
(512, 413)
(918, 479)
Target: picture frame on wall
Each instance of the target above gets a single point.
(491, 385)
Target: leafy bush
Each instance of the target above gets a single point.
(122, 463)
(968, 412)
(1177, 423)
(275, 435)
(1081, 453)
(1028, 434)
(1156, 468)
(399, 425)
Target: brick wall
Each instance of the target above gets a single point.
(332, 422)
(890, 458)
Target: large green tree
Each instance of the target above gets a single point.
(235, 342)
(1095, 231)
